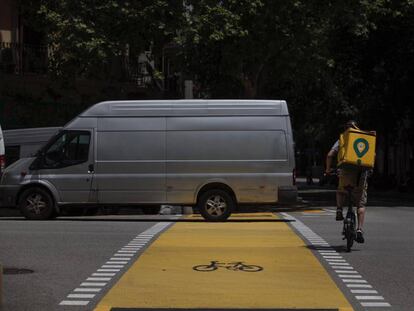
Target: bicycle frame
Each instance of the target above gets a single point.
(349, 229)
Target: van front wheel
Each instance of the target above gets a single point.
(36, 204)
(216, 205)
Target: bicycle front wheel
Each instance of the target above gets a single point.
(350, 232)
(250, 268)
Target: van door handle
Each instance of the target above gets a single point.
(91, 169)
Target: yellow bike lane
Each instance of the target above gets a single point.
(164, 276)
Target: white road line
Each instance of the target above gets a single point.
(98, 279)
(115, 264)
(103, 274)
(74, 303)
(353, 281)
(81, 295)
(351, 276)
(364, 291)
(87, 290)
(375, 304)
(359, 285)
(99, 284)
(112, 266)
(369, 297)
(342, 267)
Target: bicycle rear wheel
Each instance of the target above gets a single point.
(349, 242)
(350, 231)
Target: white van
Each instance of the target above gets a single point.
(213, 154)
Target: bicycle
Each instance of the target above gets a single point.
(349, 230)
(234, 266)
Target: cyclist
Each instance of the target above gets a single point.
(354, 177)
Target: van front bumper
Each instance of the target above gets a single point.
(8, 195)
(287, 195)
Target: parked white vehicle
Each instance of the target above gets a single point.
(24, 143)
(213, 154)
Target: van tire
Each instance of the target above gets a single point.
(36, 204)
(216, 205)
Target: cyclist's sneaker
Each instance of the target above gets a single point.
(339, 215)
(360, 237)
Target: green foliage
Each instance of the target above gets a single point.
(86, 37)
(331, 60)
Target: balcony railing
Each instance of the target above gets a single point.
(19, 58)
(25, 59)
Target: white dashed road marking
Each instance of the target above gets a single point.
(345, 272)
(82, 295)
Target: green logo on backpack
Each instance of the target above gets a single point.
(361, 147)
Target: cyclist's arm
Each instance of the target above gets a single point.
(331, 154)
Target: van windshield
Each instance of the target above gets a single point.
(47, 144)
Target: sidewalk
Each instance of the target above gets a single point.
(326, 195)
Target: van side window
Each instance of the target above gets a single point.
(68, 149)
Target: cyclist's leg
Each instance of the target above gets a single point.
(340, 199)
(362, 201)
(346, 178)
(340, 196)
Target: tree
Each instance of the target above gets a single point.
(87, 37)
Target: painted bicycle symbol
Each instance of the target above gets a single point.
(234, 266)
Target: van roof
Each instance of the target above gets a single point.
(135, 108)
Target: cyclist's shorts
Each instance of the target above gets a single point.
(359, 192)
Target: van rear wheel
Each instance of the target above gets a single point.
(216, 205)
(36, 204)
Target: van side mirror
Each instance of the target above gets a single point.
(37, 163)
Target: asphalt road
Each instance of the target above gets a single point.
(385, 260)
(61, 254)
(65, 252)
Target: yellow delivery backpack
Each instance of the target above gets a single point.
(356, 148)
